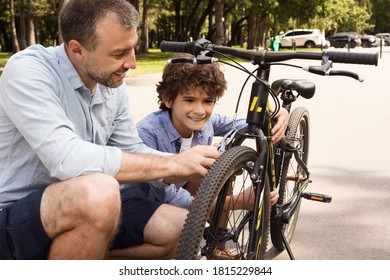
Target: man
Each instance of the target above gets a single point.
(67, 141)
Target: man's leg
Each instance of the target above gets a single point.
(81, 216)
(161, 236)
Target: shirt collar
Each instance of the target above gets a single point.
(101, 92)
(172, 133)
(68, 68)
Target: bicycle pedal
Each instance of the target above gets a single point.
(317, 197)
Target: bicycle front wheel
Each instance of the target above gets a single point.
(220, 219)
(291, 174)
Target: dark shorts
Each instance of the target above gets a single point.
(22, 235)
(21, 232)
(136, 212)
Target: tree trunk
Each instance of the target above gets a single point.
(22, 26)
(145, 30)
(196, 33)
(30, 25)
(61, 5)
(178, 29)
(253, 30)
(14, 37)
(219, 30)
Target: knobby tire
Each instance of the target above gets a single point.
(297, 134)
(230, 170)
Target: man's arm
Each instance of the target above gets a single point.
(137, 167)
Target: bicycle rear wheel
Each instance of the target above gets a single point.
(291, 175)
(221, 216)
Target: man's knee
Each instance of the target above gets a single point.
(92, 199)
(99, 197)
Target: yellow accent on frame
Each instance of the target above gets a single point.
(253, 105)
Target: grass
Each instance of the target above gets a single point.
(3, 59)
(150, 63)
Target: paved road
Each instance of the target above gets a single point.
(349, 158)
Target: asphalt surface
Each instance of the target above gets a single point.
(349, 157)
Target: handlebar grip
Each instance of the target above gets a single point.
(353, 58)
(180, 47)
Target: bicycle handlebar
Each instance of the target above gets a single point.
(196, 47)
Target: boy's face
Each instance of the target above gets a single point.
(190, 111)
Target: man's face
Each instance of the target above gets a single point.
(114, 54)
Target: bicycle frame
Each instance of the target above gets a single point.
(259, 126)
(270, 158)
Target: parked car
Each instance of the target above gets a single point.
(385, 37)
(308, 38)
(345, 39)
(369, 41)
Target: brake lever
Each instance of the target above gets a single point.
(225, 141)
(321, 70)
(345, 73)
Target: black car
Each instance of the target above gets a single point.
(344, 39)
(385, 37)
(369, 41)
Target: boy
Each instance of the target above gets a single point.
(187, 95)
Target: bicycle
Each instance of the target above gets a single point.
(231, 211)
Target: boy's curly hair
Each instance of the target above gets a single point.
(183, 77)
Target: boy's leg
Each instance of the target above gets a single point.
(160, 235)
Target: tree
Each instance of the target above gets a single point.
(60, 6)
(231, 22)
(381, 15)
(219, 37)
(145, 28)
(14, 35)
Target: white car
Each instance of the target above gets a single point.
(308, 38)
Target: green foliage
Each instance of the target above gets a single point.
(329, 15)
(3, 60)
(151, 62)
(381, 15)
(243, 20)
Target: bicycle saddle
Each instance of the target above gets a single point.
(305, 88)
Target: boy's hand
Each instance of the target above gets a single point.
(273, 196)
(280, 127)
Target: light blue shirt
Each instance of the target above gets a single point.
(51, 128)
(158, 132)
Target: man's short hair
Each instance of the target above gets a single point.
(79, 18)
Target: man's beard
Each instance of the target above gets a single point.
(99, 77)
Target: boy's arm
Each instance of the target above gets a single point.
(223, 124)
(148, 137)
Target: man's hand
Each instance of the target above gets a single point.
(280, 127)
(194, 161)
